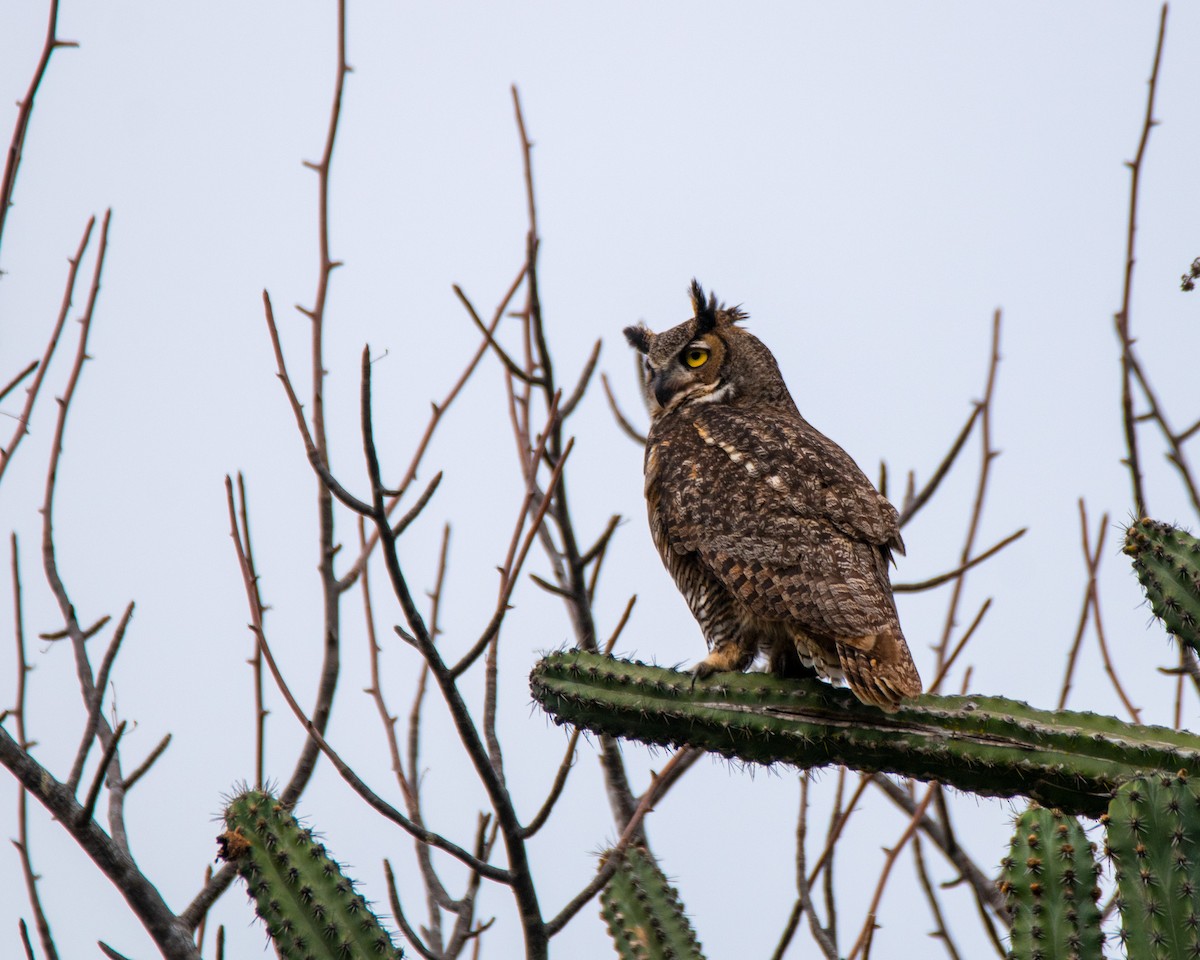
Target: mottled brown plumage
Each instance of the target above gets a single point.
(778, 542)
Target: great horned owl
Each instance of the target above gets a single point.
(774, 536)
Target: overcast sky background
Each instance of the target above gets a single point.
(870, 181)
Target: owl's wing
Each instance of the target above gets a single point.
(782, 516)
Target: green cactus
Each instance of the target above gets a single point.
(1153, 836)
(308, 905)
(1167, 563)
(643, 912)
(1050, 881)
(985, 745)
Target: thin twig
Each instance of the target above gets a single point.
(959, 647)
(627, 428)
(398, 913)
(1091, 559)
(94, 708)
(16, 144)
(16, 380)
(31, 394)
(1132, 458)
(913, 502)
(620, 627)
(984, 886)
(376, 802)
(935, 907)
(260, 709)
(680, 761)
(868, 929)
(93, 794)
(510, 364)
(142, 768)
(585, 378)
(987, 454)
(45, 937)
(819, 934)
(1098, 622)
(601, 543)
(556, 788)
(960, 570)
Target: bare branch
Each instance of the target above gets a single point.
(376, 802)
(16, 380)
(987, 454)
(102, 772)
(913, 502)
(959, 647)
(959, 571)
(439, 411)
(260, 710)
(628, 428)
(510, 364)
(868, 929)
(45, 937)
(984, 886)
(1132, 458)
(398, 912)
(169, 933)
(94, 708)
(662, 781)
(31, 395)
(144, 767)
(556, 788)
(16, 144)
(819, 934)
(935, 907)
(585, 377)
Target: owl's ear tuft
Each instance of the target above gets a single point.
(705, 309)
(639, 337)
(734, 314)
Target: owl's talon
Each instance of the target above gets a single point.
(702, 671)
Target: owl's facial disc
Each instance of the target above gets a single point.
(689, 373)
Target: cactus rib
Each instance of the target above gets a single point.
(985, 745)
(1153, 829)
(1050, 881)
(310, 908)
(643, 914)
(1167, 563)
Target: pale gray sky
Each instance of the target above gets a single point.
(870, 181)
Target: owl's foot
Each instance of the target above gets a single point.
(722, 659)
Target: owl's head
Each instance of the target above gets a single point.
(707, 359)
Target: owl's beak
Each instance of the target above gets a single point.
(664, 383)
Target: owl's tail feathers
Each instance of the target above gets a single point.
(879, 669)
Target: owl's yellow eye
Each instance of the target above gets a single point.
(695, 357)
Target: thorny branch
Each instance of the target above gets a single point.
(16, 144)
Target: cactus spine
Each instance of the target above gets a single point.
(1167, 563)
(643, 912)
(1050, 880)
(308, 905)
(986, 745)
(1153, 837)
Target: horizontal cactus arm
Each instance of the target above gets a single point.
(985, 745)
